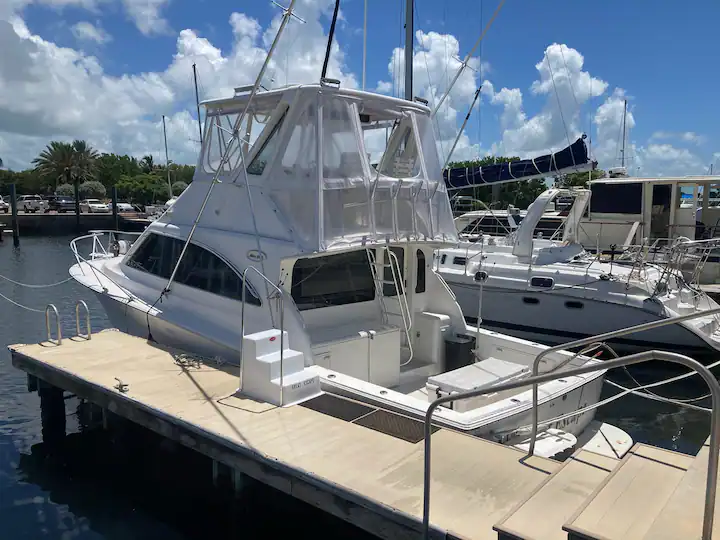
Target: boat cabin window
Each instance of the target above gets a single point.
(542, 282)
(332, 280)
(616, 198)
(199, 268)
(269, 146)
(420, 282)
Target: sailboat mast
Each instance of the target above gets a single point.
(622, 152)
(331, 33)
(167, 160)
(409, 40)
(197, 103)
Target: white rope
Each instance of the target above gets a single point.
(30, 286)
(22, 306)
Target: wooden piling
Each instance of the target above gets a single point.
(14, 209)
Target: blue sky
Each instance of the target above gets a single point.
(126, 63)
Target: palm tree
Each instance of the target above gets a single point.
(147, 163)
(59, 158)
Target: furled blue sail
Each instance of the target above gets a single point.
(574, 158)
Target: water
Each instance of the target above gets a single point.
(128, 483)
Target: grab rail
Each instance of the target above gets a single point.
(57, 320)
(242, 325)
(87, 319)
(600, 338)
(637, 358)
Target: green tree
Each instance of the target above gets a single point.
(579, 179)
(147, 164)
(178, 188)
(65, 189)
(92, 190)
(58, 158)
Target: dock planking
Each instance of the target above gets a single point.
(364, 476)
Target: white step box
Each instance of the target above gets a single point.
(261, 378)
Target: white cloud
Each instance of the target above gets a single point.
(122, 114)
(85, 31)
(687, 136)
(567, 87)
(147, 15)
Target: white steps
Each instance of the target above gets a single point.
(275, 376)
(542, 515)
(625, 505)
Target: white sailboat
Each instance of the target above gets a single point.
(552, 291)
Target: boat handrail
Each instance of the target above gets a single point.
(82, 303)
(535, 379)
(281, 301)
(48, 309)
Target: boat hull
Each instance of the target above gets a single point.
(546, 318)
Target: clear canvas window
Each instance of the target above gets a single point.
(269, 147)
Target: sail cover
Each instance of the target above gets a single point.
(574, 158)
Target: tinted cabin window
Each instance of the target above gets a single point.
(420, 283)
(334, 280)
(460, 261)
(542, 282)
(619, 198)
(199, 268)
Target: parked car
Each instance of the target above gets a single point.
(60, 203)
(92, 206)
(4, 206)
(124, 207)
(31, 203)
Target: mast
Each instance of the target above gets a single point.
(622, 152)
(409, 31)
(330, 39)
(167, 160)
(197, 103)
(364, 45)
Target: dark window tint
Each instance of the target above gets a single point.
(620, 198)
(389, 285)
(420, 283)
(461, 261)
(573, 304)
(334, 280)
(199, 268)
(443, 258)
(530, 300)
(544, 282)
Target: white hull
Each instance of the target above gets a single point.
(551, 322)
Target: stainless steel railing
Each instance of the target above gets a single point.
(281, 301)
(600, 338)
(711, 482)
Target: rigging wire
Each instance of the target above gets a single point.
(557, 96)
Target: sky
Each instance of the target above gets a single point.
(107, 70)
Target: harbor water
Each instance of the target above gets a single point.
(128, 483)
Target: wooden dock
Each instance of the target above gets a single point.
(367, 468)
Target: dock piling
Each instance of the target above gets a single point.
(52, 414)
(116, 226)
(14, 223)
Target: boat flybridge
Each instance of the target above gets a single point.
(293, 256)
(551, 290)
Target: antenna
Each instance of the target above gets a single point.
(364, 45)
(330, 40)
(622, 152)
(197, 103)
(409, 40)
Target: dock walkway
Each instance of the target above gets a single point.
(362, 465)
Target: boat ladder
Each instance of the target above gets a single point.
(379, 267)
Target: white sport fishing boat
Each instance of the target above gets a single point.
(333, 258)
(552, 291)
